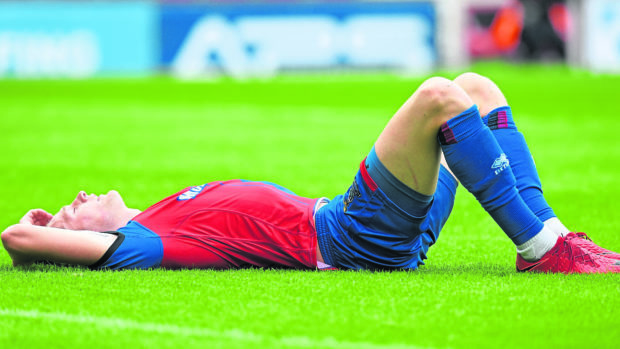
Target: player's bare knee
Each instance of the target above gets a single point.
(442, 99)
(482, 90)
(475, 85)
(471, 78)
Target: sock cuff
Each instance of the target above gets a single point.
(536, 247)
(500, 118)
(460, 127)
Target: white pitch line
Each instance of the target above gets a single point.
(234, 334)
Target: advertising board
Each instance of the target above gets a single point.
(262, 40)
(77, 39)
(601, 36)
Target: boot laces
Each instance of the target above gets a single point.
(576, 254)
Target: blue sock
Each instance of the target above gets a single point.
(479, 163)
(513, 144)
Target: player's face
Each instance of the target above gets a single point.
(90, 212)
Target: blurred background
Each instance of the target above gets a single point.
(248, 39)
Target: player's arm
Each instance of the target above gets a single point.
(27, 243)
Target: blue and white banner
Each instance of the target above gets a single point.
(261, 40)
(77, 39)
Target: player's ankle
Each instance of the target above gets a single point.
(535, 248)
(556, 226)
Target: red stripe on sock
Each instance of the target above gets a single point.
(502, 119)
(446, 135)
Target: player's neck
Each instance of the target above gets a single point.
(132, 212)
(127, 215)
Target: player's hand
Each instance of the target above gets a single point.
(36, 217)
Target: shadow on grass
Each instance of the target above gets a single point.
(41, 267)
(477, 268)
(465, 270)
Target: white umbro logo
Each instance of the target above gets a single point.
(500, 164)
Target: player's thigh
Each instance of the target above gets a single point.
(408, 145)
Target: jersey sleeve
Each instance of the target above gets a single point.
(120, 237)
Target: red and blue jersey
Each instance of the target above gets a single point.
(220, 225)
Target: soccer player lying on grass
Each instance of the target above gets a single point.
(389, 217)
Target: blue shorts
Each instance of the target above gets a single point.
(366, 229)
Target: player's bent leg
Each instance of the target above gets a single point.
(478, 161)
(442, 110)
(497, 115)
(408, 146)
(388, 219)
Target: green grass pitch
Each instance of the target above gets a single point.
(150, 137)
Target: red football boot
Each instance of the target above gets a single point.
(582, 240)
(568, 257)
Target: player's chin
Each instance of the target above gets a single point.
(114, 196)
